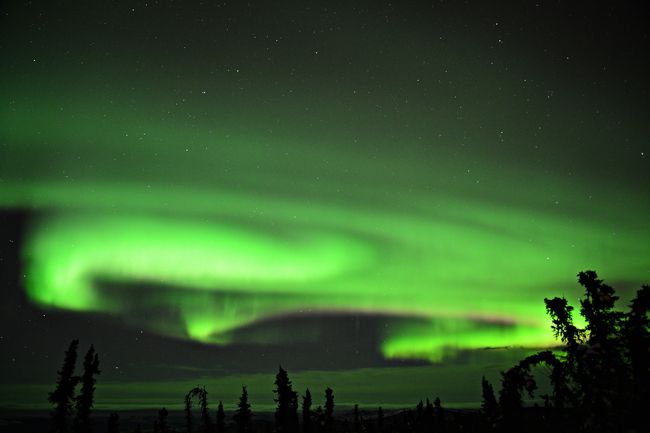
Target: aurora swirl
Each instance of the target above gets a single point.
(193, 190)
(223, 257)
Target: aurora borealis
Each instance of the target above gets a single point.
(215, 176)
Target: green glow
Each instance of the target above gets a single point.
(440, 340)
(231, 224)
(455, 384)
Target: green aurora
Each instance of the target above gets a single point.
(194, 179)
(275, 237)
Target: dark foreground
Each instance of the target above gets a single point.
(535, 419)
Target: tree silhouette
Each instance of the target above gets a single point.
(489, 403)
(419, 417)
(202, 394)
(306, 412)
(424, 414)
(63, 395)
(243, 413)
(286, 413)
(320, 418)
(221, 419)
(519, 379)
(161, 423)
(603, 360)
(357, 419)
(329, 410)
(514, 381)
(188, 409)
(591, 376)
(439, 412)
(429, 415)
(638, 352)
(205, 412)
(113, 423)
(85, 400)
(602, 376)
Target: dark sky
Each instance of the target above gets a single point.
(376, 195)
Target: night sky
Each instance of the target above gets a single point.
(377, 196)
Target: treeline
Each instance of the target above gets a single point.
(66, 401)
(599, 377)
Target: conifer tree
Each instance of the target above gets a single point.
(600, 376)
(637, 333)
(221, 418)
(489, 402)
(205, 413)
(85, 400)
(419, 417)
(202, 394)
(188, 410)
(439, 414)
(161, 423)
(243, 413)
(329, 410)
(63, 395)
(286, 413)
(428, 416)
(306, 412)
(357, 419)
(320, 418)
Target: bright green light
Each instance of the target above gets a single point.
(221, 275)
(232, 225)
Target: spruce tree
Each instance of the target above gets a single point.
(419, 417)
(85, 400)
(357, 419)
(63, 395)
(205, 413)
(320, 418)
(221, 419)
(428, 416)
(489, 402)
(243, 413)
(162, 421)
(636, 333)
(439, 414)
(188, 407)
(329, 410)
(603, 375)
(306, 412)
(286, 413)
(188, 410)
